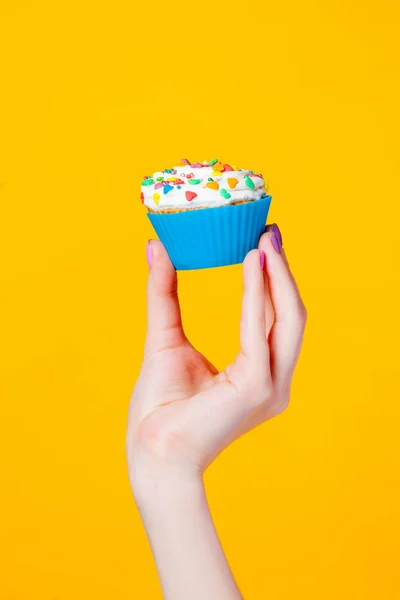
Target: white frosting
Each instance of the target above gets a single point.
(205, 196)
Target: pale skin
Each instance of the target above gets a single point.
(184, 412)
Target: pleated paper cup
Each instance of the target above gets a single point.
(211, 237)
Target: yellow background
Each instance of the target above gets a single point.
(94, 95)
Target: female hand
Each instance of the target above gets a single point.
(184, 412)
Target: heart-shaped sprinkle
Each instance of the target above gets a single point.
(159, 185)
(228, 168)
(148, 182)
(249, 182)
(213, 185)
(194, 181)
(167, 188)
(218, 167)
(225, 194)
(232, 182)
(215, 174)
(190, 196)
(178, 182)
(156, 197)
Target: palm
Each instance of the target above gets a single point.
(182, 387)
(174, 376)
(180, 373)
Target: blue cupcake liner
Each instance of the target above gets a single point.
(211, 237)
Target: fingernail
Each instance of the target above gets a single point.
(262, 259)
(275, 242)
(149, 254)
(277, 231)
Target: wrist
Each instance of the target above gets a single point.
(159, 487)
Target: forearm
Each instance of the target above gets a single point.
(189, 557)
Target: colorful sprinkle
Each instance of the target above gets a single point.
(213, 161)
(167, 188)
(228, 168)
(225, 194)
(178, 182)
(215, 174)
(190, 175)
(249, 182)
(148, 182)
(160, 179)
(178, 187)
(190, 196)
(232, 182)
(159, 185)
(197, 165)
(194, 181)
(156, 197)
(142, 197)
(218, 166)
(213, 185)
(210, 179)
(172, 178)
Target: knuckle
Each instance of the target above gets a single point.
(303, 314)
(300, 317)
(283, 405)
(279, 407)
(260, 393)
(280, 403)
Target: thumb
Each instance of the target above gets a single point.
(164, 323)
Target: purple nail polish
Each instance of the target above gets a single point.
(262, 259)
(277, 231)
(275, 242)
(149, 254)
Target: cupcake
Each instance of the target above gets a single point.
(206, 214)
